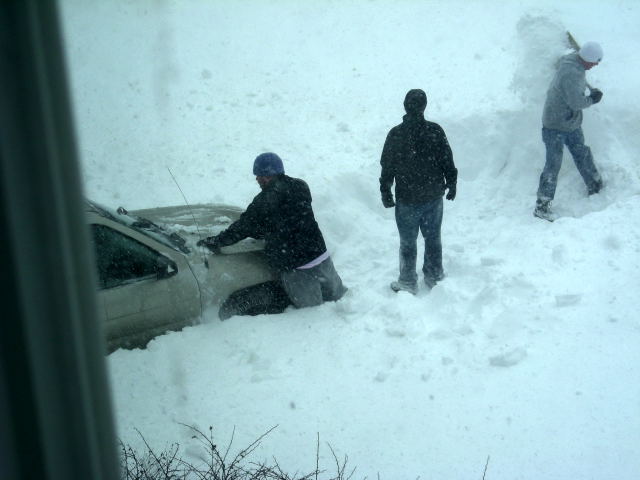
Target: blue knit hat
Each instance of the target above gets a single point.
(267, 165)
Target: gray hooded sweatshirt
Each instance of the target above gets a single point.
(565, 97)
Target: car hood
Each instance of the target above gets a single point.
(238, 266)
(199, 221)
(192, 217)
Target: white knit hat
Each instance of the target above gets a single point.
(591, 52)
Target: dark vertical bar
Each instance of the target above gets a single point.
(53, 382)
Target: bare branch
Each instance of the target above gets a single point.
(317, 453)
(485, 467)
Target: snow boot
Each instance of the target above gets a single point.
(543, 211)
(431, 282)
(595, 188)
(404, 287)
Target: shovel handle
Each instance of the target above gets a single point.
(576, 46)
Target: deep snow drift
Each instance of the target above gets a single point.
(527, 351)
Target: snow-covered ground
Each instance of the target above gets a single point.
(529, 350)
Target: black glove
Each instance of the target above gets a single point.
(211, 243)
(387, 200)
(596, 95)
(451, 194)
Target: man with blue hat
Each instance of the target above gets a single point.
(281, 214)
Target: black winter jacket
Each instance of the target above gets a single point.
(418, 157)
(280, 214)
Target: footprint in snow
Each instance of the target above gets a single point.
(508, 359)
(567, 300)
(380, 377)
(490, 261)
(395, 333)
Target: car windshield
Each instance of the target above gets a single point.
(142, 225)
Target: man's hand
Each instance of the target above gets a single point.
(596, 95)
(211, 243)
(387, 200)
(451, 194)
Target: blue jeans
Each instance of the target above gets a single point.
(554, 141)
(427, 217)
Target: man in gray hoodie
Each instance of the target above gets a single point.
(562, 125)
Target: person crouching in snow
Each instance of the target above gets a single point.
(417, 156)
(281, 214)
(562, 125)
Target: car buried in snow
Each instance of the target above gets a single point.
(152, 278)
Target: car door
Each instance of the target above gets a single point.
(145, 287)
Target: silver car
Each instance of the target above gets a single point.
(152, 278)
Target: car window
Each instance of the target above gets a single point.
(121, 259)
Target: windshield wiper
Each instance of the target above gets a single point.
(173, 237)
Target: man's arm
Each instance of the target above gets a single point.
(449, 169)
(387, 174)
(573, 88)
(250, 224)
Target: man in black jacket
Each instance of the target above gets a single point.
(281, 214)
(418, 158)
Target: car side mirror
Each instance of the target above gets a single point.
(166, 267)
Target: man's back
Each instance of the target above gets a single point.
(290, 228)
(418, 157)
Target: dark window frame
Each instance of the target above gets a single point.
(55, 403)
